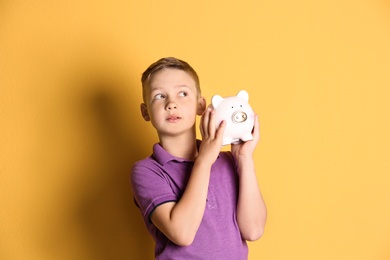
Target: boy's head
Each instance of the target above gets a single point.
(171, 96)
(168, 63)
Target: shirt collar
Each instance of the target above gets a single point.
(162, 156)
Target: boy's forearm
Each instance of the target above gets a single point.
(186, 215)
(251, 208)
(193, 201)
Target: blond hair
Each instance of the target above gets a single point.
(169, 63)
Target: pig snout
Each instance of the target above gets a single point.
(239, 117)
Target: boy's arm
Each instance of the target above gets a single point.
(179, 221)
(251, 208)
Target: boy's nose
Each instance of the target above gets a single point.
(171, 105)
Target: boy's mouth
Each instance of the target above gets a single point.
(173, 118)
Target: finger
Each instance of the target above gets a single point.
(221, 130)
(212, 124)
(256, 128)
(201, 125)
(205, 122)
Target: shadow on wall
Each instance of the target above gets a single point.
(108, 215)
(100, 212)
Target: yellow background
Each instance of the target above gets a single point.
(318, 74)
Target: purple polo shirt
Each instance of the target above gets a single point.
(162, 178)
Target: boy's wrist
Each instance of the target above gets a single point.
(244, 161)
(204, 161)
(244, 158)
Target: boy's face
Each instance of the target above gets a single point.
(172, 102)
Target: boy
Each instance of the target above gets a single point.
(197, 202)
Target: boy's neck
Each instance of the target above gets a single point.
(180, 146)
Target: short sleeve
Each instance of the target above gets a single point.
(151, 187)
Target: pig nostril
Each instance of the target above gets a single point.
(239, 117)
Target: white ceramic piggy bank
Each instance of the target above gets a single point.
(238, 114)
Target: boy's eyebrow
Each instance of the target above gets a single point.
(182, 86)
(176, 86)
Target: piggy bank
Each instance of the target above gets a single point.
(238, 114)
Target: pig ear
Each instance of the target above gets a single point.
(244, 95)
(216, 100)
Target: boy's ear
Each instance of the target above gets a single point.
(201, 106)
(144, 112)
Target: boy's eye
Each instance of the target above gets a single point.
(159, 96)
(183, 94)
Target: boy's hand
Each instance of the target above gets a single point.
(247, 148)
(211, 136)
